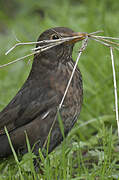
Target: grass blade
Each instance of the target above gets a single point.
(14, 153)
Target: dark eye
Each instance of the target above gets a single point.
(54, 36)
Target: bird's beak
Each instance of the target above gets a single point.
(78, 36)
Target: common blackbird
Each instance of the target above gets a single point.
(34, 107)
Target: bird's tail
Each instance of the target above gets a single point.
(5, 149)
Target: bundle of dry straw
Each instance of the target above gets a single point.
(106, 41)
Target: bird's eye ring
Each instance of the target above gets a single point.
(54, 36)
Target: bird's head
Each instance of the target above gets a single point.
(60, 53)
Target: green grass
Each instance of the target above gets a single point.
(91, 150)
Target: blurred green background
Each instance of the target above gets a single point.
(26, 19)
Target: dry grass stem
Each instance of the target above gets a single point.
(106, 37)
(19, 59)
(96, 32)
(83, 47)
(40, 49)
(115, 88)
(107, 41)
(101, 42)
(51, 43)
(61, 40)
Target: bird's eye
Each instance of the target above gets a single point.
(54, 36)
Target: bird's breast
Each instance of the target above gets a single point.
(60, 81)
(71, 107)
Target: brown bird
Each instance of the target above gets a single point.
(34, 107)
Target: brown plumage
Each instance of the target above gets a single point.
(34, 107)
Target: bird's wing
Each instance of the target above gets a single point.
(24, 108)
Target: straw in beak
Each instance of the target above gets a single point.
(77, 36)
